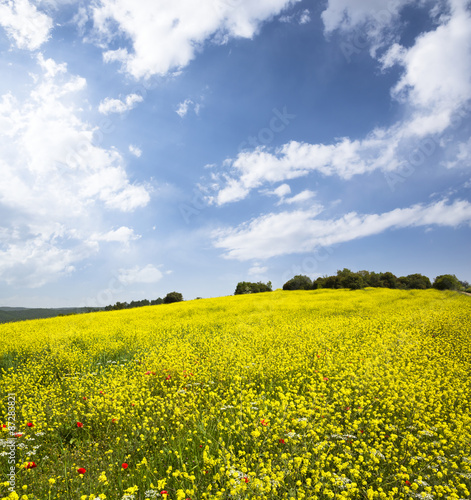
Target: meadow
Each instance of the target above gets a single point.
(285, 395)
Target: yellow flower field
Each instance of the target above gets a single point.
(284, 395)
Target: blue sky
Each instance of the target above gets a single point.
(156, 146)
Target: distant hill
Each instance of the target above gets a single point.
(9, 314)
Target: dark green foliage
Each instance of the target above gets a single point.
(388, 280)
(244, 287)
(299, 282)
(331, 282)
(371, 278)
(318, 283)
(133, 304)
(361, 279)
(173, 297)
(414, 282)
(348, 279)
(447, 282)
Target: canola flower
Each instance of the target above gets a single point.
(284, 395)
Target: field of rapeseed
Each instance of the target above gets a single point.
(284, 395)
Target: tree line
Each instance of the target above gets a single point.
(361, 279)
(168, 299)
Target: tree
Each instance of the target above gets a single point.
(371, 279)
(244, 287)
(173, 297)
(415, 282)
(331, 282)
(319, 283)
(388, 280)
(348, 279)
(299, 282)
(447, 282)
(156, 302)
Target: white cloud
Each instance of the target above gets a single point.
(165, 36)
(57, 183)
(302, 231)
(257, 271)
(22, 21)
(434, 87)
(35, 259)
(147, 274)
(117, 106)
(462, 155)
(123, 235)
(284, 189)
(137, 152)
(348, 14)
(437, 69)
(281, 191)
(301, 197)
(346, 158)
(302, 17)
(185, 106)
(305, 17)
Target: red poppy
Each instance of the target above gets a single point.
(263, 422)
(246, 479)
(84, 398)
(30, 424)
(282, 441)
(4, 426)
(79, 424)
(31, 465)
(113, 420)
(124, 466)
(168, 377)
(326, 379)
(18, 434)
(81, 470)
(164, 492)
(407, 482)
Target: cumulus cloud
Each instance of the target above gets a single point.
(147, 274)
(117, 106)
(301, 231)
(165, 36)
(57, 183)
(25, 24)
